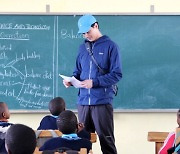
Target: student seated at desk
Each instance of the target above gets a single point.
(20, 139)
(68, 125)
(172, 142)
(4, 125)
(56, 106)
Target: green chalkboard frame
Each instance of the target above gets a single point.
(135, 41)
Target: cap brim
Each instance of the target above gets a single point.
(84, 29)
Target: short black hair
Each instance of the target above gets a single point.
(94, 24)
(67, 122)
(56, 106)
(20, 139)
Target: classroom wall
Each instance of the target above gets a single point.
(131, 128)
(84, 6)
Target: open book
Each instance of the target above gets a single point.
(76, 83)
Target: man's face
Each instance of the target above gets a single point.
(92, 34)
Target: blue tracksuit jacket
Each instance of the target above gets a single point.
(107, 55)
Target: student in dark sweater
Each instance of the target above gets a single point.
(67, 123)
(56, 106)
(20, 139)
(4, 125)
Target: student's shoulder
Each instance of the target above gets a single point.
(4, 126)
(48, 122)
(54, 140)
(51, 144)
(43, 122)
(47, 119)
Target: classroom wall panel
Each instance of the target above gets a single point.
(69, 6)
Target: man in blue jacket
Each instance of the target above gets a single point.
(98, 70)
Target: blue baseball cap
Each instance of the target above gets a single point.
(85, 22)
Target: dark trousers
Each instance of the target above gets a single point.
(99, 118)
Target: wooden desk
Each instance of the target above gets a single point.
(47, 134)
(158, 138)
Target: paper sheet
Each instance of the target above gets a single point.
(76, 83)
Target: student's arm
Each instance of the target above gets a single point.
(168, 143)
(82, 133)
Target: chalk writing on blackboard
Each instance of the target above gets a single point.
(70, 34)
(25, 80)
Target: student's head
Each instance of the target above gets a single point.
(56, 106)
(67, 122)
(4, 112)
(178, 117)
(20, 139)
(89, 27)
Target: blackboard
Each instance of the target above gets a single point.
(34, 49)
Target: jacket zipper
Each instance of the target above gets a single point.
(89, 79)
(90, 69)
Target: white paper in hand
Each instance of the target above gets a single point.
(76, 83)
(68, 79)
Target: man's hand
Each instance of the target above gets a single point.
(66, 83)
(87, 84)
